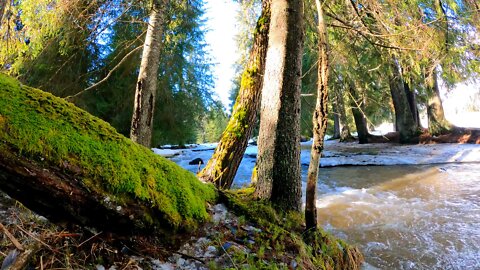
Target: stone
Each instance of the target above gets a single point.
(196, 161)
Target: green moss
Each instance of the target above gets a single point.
(41, 126)
(283, 239)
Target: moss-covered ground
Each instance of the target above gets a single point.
(283, 242)
(40, 126)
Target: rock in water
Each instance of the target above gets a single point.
(196, 161)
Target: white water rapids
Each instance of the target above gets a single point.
(406, 217)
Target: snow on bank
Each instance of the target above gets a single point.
(341, 154)
(167, 152)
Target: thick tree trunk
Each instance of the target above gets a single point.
(319, 122)
(223, 165)
(68, 165)
(60, 196)
(404, 119)
(345, 133)
(279, 176)
(356, 102)
(146, 87)
(437, 123)
(412, 102)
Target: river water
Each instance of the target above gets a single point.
(405, 217)
(401, 216)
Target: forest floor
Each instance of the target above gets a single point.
(29, 237)
(228, 241)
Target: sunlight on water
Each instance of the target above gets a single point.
(428, 218)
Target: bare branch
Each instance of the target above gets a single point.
(108, 75)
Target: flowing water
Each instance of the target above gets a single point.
(401, 216)
(405, 217)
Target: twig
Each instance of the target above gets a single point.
(23, 259)
(189, 257)
(34, 238)
(130, 261)
(228, 255)
(81, 244)
(12, 238)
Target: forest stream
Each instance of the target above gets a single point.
(406, 217)
(401, 216)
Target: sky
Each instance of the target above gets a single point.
(221, 24)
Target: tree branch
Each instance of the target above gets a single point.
(108, 75)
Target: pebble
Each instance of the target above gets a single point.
(180, 261)
(220, 213)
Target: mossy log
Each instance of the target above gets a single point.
(223, 165)
(68, 165)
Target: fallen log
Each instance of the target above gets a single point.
(68, 165)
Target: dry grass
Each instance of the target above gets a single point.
(55, 247)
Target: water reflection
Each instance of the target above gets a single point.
(406, 217)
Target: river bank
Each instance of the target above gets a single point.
(406, 206)
(339, 154)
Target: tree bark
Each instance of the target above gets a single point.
(437, 123)
(358, 116)
(146, 87)
(412, 102)
(345, 133)
(42, 189)
(279, 178)
(3, 7)
(404, 119)
(319, 122)
(68, 165)
(223, 165)
(336, 124)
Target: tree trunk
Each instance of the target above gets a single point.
(404, 119)
(345, 133)
(412, 102)
(336, 124)
(437, 123)
(3, 7)
(358, 116)
(319, 122)
(223, 165)
(146, 87)
(41, 189)
(279, 176)
(67, 165)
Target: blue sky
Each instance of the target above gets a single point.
(221, 23)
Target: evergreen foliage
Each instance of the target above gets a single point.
(67, 46)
